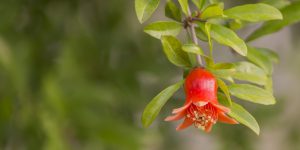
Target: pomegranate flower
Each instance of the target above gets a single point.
(201, 107)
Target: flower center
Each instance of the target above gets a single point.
(202, 116)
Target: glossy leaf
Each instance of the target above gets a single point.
(261, 59)
(172, 11)
(223, 70)
(240, 114)
(254, 12)
(291, 15)
(244, 117)
(173, 51)
(252, 93)
(161, 28)
(228, 37)
(153, 108)
(211, 11)
(184, 6)
(145, 8)
(249, 72)
(222, 85)
(192, 48)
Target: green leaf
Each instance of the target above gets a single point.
(252, 93)
(228, 37)
(239, 114)
(235, 24)
(153, 108)
(277, 3)
(192, 48)
(224, 66)
(222, 99)
(212, 11)
(145, 8)
(173, 51)
(254, 12)
(273, 56)
(201, 34)
(244, 117)
(261, 59)
(199, 3)
(249, 72)
(207, 30)
(214, 1)
(172, 11)
(223, 70)
(184, 6)
(222, 85)
(291, 15)
(269, 85)
(161, 28)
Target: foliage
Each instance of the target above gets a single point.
(210, 23)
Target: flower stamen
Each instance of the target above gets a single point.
(202, 116)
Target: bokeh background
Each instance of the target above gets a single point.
(76, 75)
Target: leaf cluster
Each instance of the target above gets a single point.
(250, 79)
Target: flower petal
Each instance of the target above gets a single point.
(221, 108)
(177, 110)
(186, 123)
(222, 117)
(208, 127)
(176, 116)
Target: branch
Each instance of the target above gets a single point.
(194, 38)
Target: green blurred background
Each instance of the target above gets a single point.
(76, 75)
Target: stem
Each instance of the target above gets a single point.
(194, 38)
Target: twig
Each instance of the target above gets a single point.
(194, 38)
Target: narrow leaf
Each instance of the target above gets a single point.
(199, 3)
(173, 51)
(153, 108)
(244, 117)
(225, 89)
(249, 72)
(223, 70)
(207, 30)
(273, 56)
(184, 6)
(254, 12)
(240, 114)
(192, 48)
(261, 59)
(201, 34)
(212, 11)
(252, 93)
(291, 15)
(269, 85)
(228, 37)
(145, 8)
(161, 28)
(172, 11)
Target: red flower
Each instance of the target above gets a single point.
(201, 107)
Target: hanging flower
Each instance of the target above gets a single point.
(201, 107)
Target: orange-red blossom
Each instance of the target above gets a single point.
(201, 107)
